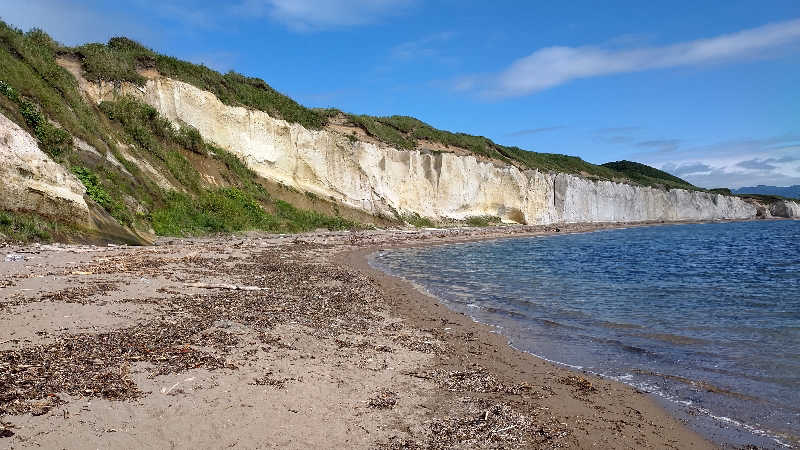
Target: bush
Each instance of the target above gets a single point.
(96, 192)
(222, 210)
(9, 91)
(24, 227)
(648, 176)
(154, 133)
(297, 220)
(418, 221)
(383, 132)
(28, 64)
(189, 138)
(101, 63)
(53, 140)
(231, 209)
(240, 175)
(482, 221)
(723, 191)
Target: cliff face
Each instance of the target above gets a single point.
(31, 181)
(785, 208)
(382, 180)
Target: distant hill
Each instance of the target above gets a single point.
(783, 191)
(647, 175)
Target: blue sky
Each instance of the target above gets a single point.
(707, 90)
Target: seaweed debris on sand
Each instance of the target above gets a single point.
(289, 340)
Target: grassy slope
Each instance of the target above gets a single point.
(45, 99)
(649, 176)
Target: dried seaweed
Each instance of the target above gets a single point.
(98, 365)
(383, 399)
(476, 379)
(270, 380)
(82, 294)
(488, 425)
(581, 384)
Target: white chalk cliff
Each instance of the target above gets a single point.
(785, 208)
(383, 180)
(380, 180)
(31, 181)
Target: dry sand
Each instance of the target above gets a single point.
(262, 341)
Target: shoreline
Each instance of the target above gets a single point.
(359, 259)
(426, 310)
(258, 340)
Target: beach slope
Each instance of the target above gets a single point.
(290, 341)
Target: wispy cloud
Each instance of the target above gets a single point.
(682, 170)
(616, 130)
(425, 47)
(528, 131)
(766, 163)
(616, 135)
(552, 66)
(615, 139)
(316, 15)
(661, 145)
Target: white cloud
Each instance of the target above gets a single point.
(552, 66)
(312, 15)
(746, 162)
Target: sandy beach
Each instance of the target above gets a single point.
(282, 341)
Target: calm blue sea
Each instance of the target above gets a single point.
(704, 316)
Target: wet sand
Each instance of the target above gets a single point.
(263, 341)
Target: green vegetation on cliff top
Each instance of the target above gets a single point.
(121, 58)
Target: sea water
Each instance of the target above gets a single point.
(704, 316)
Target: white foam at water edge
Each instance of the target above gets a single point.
(625, 379)
(559, 363)
(652, 389)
